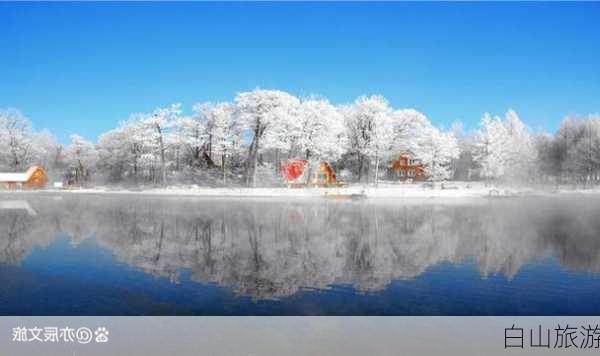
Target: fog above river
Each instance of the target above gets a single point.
(269, 249)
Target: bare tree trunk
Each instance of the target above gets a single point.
(252, 163)
(163, 167)
(135, 169)
(249, 162)
(223, 168)
(376, 170)
(360, 167)
(254, 168)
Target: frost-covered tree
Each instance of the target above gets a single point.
(465, 166)
(81, 156)
(565, 141)
(408, 125)
(47, 152)
(436, 150)
(15, 140)
(548, 160)
(490, 147)
(191, 135)
(133, 141)
(504, 148)
(370, 130)
(573, 152)
(112, 153)
(586, 157)
(225, 135)
(261, 114)
(157, 130)
(384, 137)
(120, 151)
(321, 132)
(520, 148)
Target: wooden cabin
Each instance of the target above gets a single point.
(301, 173)
(324, 175)
(34, 178)
(406, 167)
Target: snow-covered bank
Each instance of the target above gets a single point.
(382, 191)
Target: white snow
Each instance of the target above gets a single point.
(382, 191)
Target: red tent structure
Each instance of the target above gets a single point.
(293, 169)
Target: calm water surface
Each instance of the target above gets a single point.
(103, 255)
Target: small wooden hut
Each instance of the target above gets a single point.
(34, 178)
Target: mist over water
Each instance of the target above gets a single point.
(143, 255)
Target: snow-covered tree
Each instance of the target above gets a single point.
(112, 153)
(504, 148)
(321, 131)
(408, 125)
(370, 130)
(156, 128)
(490, 147)
(225, 135)
(47, 152)
(384, 137)
(133, 141)
(465, 166)
(120, 150)
(15, 140)
(575, 149)
(520, 149)
(191, 135)
(262, 114)
(587, 150)
(81, 156)
(436, 150)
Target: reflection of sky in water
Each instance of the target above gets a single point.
(155, 256)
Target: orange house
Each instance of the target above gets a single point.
(406, 167)
(34, 178)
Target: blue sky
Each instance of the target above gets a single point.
(83, 67)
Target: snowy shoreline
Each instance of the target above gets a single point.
(383, 191)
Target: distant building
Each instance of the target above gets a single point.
(405, 167)
(34, 178)
(300, 172)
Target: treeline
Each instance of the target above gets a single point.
(244, 141)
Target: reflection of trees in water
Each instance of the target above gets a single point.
(272, 249)
(21, 232)
(13, 225)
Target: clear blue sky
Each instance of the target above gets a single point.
(83, 67)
